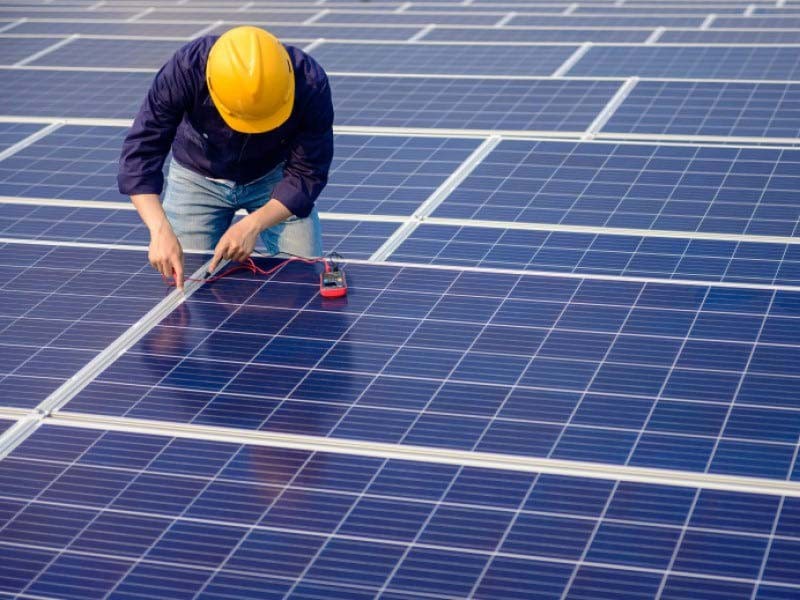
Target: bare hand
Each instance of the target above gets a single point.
(166, 255)
(236, 244)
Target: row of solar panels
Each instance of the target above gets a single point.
(728, 62)
(441, 33)
(643, 18)
(659, 189)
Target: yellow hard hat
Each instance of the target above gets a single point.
(250, 79)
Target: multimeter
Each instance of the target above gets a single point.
(332, 283)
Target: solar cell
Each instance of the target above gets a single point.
(441, 58)
(485, 104)
(510, 34)
(15, 49)
(757, 110)
(111, 53)
(681, 188)
(60, 306)
(691, 62)
(670, 258)
(693, 377)
(353, 239)
(729, 36)
(4, 425)
(90, 518)
(652, 10)
(73, 93)
(370, 174)
(11, 133)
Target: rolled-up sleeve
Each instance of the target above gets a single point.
(148, 142)
(305, 173)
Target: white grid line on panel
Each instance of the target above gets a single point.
(48, 50)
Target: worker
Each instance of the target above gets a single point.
(250, 125)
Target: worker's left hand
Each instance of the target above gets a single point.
(236, 244)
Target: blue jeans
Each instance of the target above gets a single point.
(200, 210)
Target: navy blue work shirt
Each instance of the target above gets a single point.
(179, 113)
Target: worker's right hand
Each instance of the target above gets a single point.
(166, 255)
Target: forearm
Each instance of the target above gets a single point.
(149, 208)
(269, 215)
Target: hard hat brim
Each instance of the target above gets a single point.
(241, 125)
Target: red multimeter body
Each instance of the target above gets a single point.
(332, 284)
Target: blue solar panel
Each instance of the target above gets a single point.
(545, 104)
(370, 174)
(670, 258)
(59, 307)
(65, 13)
(706, 108)
(73, 93)
(722, 36)
(353, 239)
(111, 53)
(777, 22)
(11, 133)
(510, 34)
(213, 13)
(440, 58)
(389, 175)
(16, 49)
(332, 31)
(92, 514)
(659, 375)
(409, 18)
(719, 62)
(654, 9)
(605, 21)
(4, 425)
(682, 188)
(106, 28)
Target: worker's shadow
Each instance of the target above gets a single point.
(221, 375)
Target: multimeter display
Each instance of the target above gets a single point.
(332, 284)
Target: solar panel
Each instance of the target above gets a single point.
(353, 239)
(605, 21)
(693, 62)
(60, 306)
(38, 13)
(390, 175)
(449, 60)
(73, 93)
(370, 174)
(4, 425)
(409, 18)
(625, 255)
(111, 53)
(485, 104)
(780, 22)
(11, 133)
(209, 15)
(728, 36)
(106, 28)
(86, 515)
(658, 375)
(681, 188)
(652, 10)
(509, 34)
(707, 108)
(331, 31)
(16, 49)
